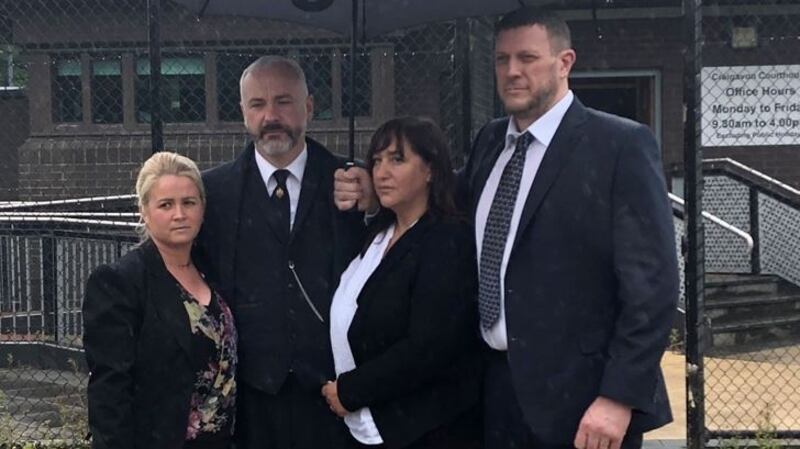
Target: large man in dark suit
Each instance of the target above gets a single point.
(578, 273)
(276, 245)
(577, 267)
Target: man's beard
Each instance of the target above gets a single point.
(537, 105)
(541, 101)
(275, 147)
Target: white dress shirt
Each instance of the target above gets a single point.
(293, 182)
(343, 309)
(542, 130)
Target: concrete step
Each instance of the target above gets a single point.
(741, 284)
(748, 310)
(754, 332)
(734, 309)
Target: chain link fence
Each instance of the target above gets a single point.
(76, 114)
(47, 250)
(749, 125)
(76, 121)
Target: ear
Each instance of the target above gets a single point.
(309, 108)
(143, 214)
(567, 59)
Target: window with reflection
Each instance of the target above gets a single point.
(229, 69)
(317, 64)
(66, 91)
(106, 91)
(182, 90)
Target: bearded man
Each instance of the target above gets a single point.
(275, 246)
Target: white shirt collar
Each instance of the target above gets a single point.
(296, 168)
(544, 128)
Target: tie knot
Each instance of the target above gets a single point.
(280, 177)
(523, 141)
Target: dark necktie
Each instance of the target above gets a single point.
(280, 198)
(495, 234)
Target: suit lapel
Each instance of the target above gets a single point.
(396, 253)
(497, 140)
(165, 297)
(564, 141)
(312, 176)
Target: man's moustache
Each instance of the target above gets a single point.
(273, 128)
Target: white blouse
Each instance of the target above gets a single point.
(343, 309)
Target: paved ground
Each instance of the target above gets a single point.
(674, 367)
(754, 390)
(743, 391)
(750, 390)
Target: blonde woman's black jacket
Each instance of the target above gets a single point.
(414, 336)
(137, 343)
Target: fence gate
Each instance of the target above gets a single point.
(743, 303)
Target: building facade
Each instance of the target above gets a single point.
(87, 77)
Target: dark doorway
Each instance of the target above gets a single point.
(627, 96)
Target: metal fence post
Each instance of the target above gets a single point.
(694, 269)
(755, 256)
(154, 26)
(50, 288)
(462, 52)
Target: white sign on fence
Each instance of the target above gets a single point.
(750, 105)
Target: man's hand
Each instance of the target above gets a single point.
(603, 426)
(353, 187)
(331, 394)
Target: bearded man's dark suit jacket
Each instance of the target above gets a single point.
(249, 259)
(592, 283)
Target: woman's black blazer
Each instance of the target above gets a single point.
(414, 336)
(137, 343)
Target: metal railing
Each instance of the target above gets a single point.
(716, 226)
(46, 257)
(766, 207)
(43, 272)
(749, 391)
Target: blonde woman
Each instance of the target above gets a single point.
(159, 341)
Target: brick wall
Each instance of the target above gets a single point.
(59, 164)
(54, 167)
(640, 44)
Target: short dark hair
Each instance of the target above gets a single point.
(557, 29)
(426, 139)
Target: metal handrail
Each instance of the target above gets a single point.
(754, 173)
(70, 214)
(80, 221)
(71, 201)
(719, 222)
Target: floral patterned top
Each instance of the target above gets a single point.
(213, 400)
